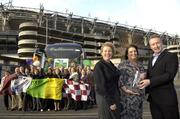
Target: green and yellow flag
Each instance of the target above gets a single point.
(47, 88)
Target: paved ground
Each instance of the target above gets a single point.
(71, 114)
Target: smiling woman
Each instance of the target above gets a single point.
(107, 51)
(131, 72)
(106, 78)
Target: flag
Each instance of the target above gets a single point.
(20, 84)
(6, 86)
(47, 88)
(78, 91)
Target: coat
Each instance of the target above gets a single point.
(161, 89)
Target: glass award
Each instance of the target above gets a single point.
(136, 79)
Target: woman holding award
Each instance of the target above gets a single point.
(131, 72)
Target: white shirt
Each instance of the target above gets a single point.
(155, 57)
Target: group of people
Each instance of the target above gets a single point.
(120, 91)
(22, 101)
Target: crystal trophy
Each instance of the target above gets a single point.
(136, 79)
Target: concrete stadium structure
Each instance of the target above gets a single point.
(22, 30)
(174, 46)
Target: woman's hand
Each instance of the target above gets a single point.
(113, 107)
(131, 92)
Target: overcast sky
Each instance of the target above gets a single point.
(159, 15)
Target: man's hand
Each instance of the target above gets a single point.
(144, 83)
(142, 76)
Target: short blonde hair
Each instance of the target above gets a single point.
(108, 44)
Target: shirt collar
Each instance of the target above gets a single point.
(157, 54)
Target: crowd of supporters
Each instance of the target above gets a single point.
(25, 102)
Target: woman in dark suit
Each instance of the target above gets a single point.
(162, 69)
(106, 78)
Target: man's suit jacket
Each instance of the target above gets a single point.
(161, 89)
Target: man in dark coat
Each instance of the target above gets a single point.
(162, 69)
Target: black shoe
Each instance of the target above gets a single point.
(20, 109)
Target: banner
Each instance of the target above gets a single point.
(47, 88)
(64, 50)
(61, 62)
(87, 63)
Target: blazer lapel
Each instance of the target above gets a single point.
(150, 62)
(159, 58)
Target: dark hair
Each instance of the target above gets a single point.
(131, 46)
